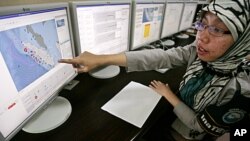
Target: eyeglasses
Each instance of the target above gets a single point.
(213, 30)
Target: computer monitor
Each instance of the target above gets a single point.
(188, 15)
(172, 18)
(102, 27)
(147, 19)
(32, 40)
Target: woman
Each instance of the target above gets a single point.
(216, 72)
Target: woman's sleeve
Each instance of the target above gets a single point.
(187, 116)
(158, 58)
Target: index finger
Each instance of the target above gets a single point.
(68, 61)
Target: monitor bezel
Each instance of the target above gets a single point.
(73, 6)
(134, 3)
(25, 9)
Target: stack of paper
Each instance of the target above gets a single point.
(133, 103)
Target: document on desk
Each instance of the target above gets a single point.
(133, 103)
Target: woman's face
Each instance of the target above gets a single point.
(210, 47)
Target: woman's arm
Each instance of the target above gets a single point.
(87, 61)
(182, 111)
(134, 60)
(158, 58)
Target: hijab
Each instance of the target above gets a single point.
(204, 81)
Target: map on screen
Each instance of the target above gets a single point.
(33, 52)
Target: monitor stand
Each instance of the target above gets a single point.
(168, 44)
(105, 72)
(53, 116)
(182, 36)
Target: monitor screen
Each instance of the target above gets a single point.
(188, 15)
(32, 40)
(146, 22)
(172, 18)
(101, 27)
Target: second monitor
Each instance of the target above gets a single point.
(146, 22)
(101, 27)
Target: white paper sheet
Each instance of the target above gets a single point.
(133, 103)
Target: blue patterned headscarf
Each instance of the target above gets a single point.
(204, 81)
